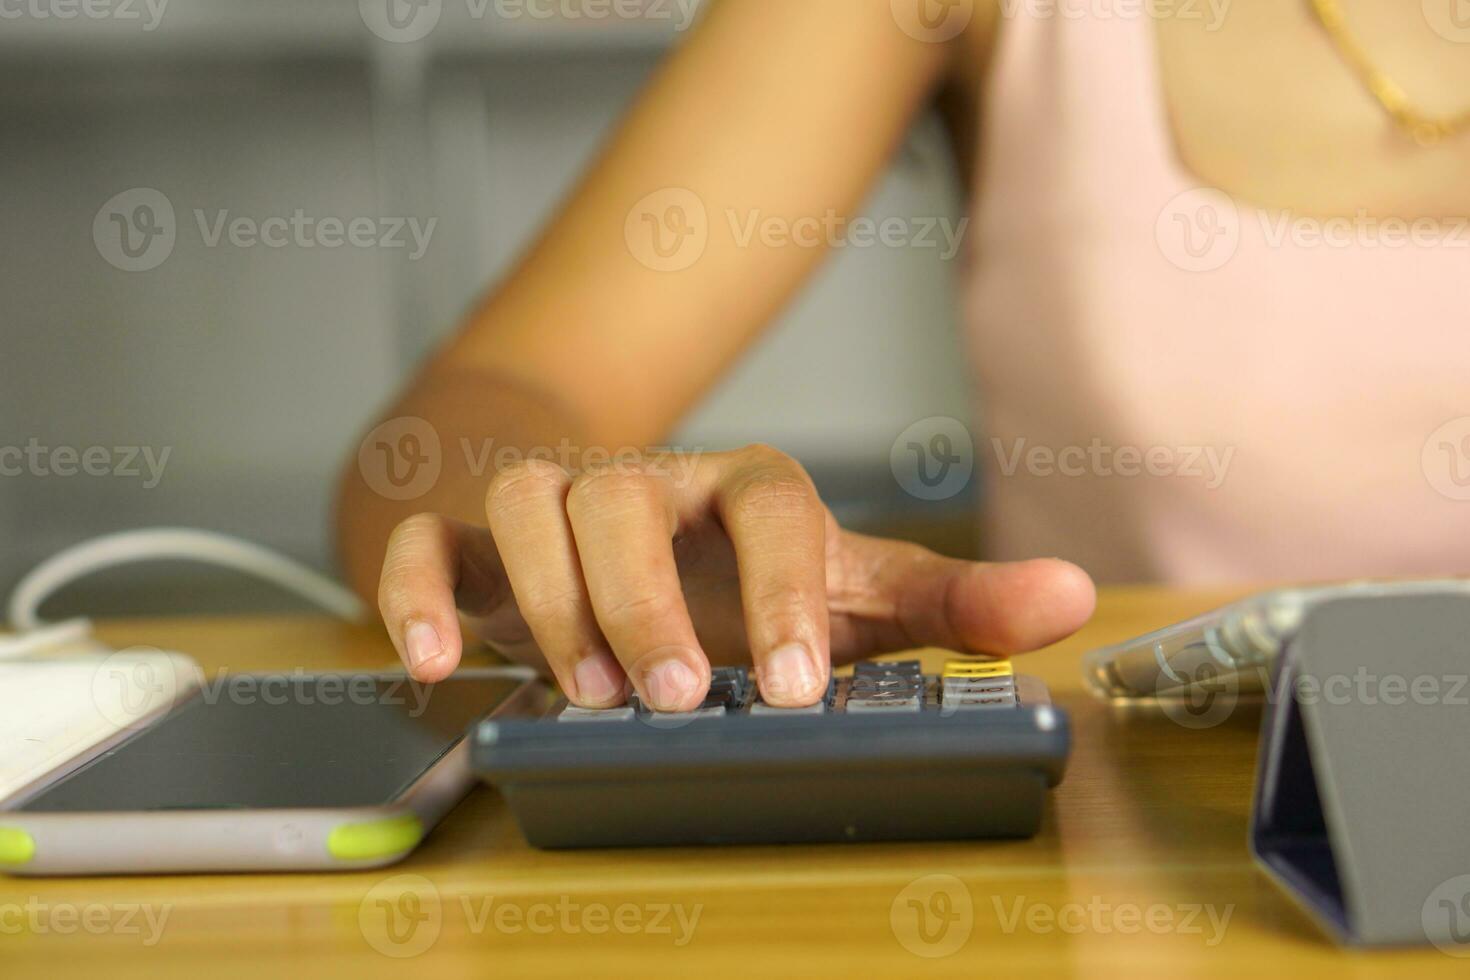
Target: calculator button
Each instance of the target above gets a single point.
(884, 685)
(573, 713)
(761, 708)
(881, 705)
(967, 685)
(680, 717)
(978, 668)
(972, 702)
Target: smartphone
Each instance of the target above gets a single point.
(264, 772)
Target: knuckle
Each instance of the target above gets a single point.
(410, 546)
(600, 489)
(772, 493)
(781, 604)
(523, 480)
(759, 452)
(639, 610)
(550, 605)
(416, 528)
(394, 595)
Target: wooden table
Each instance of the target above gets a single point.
(1142, 867)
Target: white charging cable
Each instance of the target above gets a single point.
(155, 544)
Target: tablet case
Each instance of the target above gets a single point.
(1362, 805)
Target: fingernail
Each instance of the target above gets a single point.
(421, 642)
(668, 685)
(599, 679)
(791, 674)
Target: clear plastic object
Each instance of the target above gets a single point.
(1239, 637)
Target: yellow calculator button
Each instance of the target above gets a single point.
(978, 668)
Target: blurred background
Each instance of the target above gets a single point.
(227, 382)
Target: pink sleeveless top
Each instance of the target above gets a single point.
(1174, 388)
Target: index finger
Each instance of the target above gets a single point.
(423, 569)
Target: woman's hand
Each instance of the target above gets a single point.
(646, 573)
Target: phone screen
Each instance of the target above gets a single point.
(282, 740)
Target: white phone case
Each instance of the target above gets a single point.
(156, 842)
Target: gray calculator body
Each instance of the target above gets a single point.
(889, 754)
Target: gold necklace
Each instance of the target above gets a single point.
(1425, 129)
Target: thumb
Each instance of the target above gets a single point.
(893, 595)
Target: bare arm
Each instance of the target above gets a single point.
(774, 109)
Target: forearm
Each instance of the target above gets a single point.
(435, 451)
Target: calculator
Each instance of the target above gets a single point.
(889, 753)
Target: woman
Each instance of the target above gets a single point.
(1181, 289)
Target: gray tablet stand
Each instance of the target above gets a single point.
(1362, 808)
